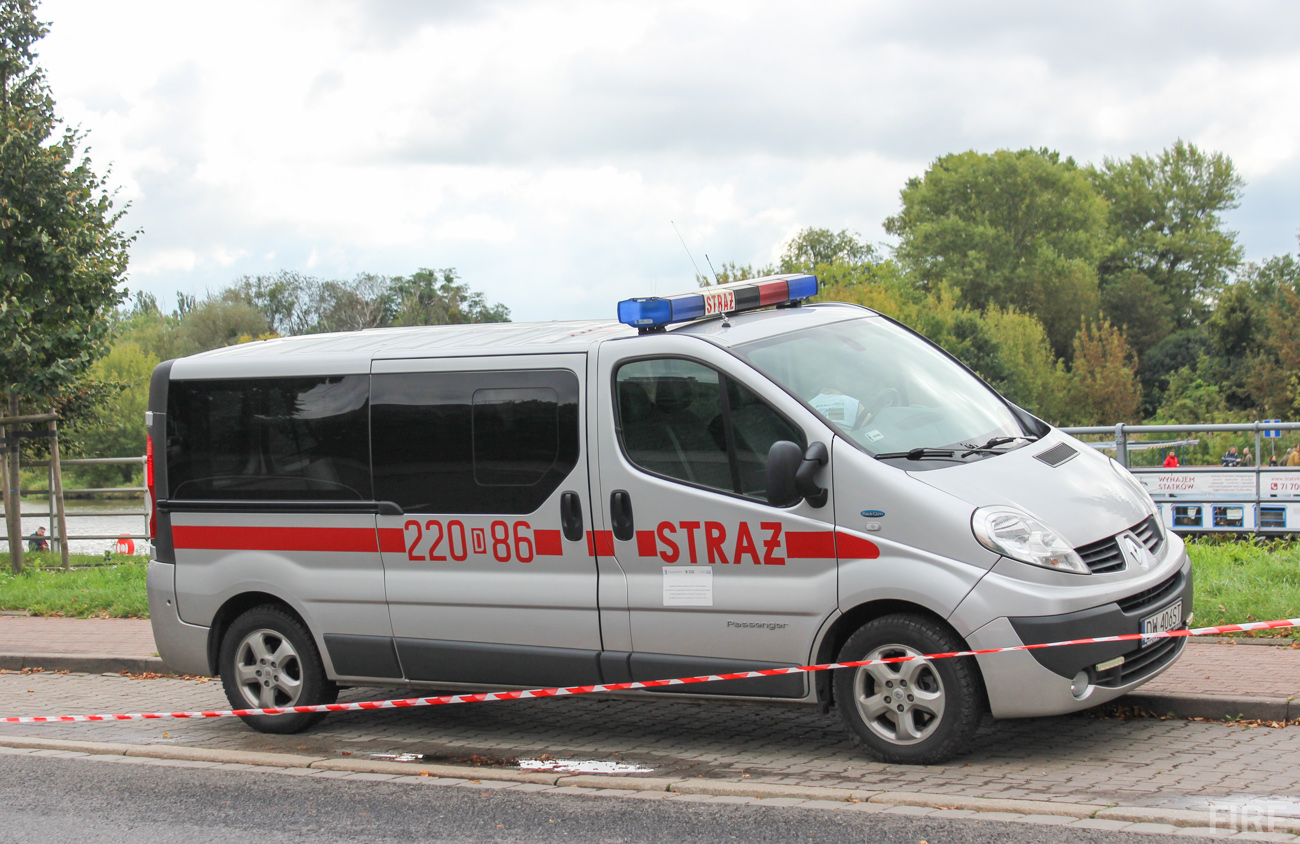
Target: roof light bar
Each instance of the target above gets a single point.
(655, 312)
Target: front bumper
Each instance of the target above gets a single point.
(1037, 682)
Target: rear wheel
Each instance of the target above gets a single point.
(914, 712)
(268, 660)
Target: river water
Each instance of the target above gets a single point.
(89, 523)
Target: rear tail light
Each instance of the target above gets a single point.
(148, 482)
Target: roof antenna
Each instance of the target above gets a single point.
(716, 280)
(687, 248)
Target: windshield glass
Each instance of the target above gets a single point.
(885, 388)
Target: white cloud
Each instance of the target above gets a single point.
(546, 145)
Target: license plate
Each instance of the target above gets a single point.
(1169, 618)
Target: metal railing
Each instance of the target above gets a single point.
(51, 513)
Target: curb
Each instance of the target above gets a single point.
(1214, 707)
(84, 663)
(834, 798)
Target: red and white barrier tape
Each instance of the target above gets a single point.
(644, 684)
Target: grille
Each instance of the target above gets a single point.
(1149, 598)
(1056, 455)
(1104, 556)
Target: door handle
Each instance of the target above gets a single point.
(571, 516)
(620, 515)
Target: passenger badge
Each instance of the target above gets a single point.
(1135, 553)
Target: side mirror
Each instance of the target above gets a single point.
(791, 472)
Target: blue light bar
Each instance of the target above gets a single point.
(657, 311)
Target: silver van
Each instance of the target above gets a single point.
(723, 480)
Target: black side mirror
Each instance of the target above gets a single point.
(791, 472)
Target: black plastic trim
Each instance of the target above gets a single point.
(440, 660)
(1106, 620)
(363, 656)
(668, 666)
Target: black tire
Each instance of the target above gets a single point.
(268, 658)
(916, 712)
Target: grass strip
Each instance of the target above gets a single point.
(94, 590)
(1246, 580)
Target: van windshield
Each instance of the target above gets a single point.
(888, 390)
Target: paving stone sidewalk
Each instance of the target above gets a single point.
(1167, 764)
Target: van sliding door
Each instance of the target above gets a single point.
(487, 570)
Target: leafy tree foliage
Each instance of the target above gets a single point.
(1021, 230)
(1165, 222)
(1106, 387)
(62, 256)
(813, 247)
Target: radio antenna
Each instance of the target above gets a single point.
(716, 280)
(687, 248)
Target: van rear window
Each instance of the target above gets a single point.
(473, 442)
(287, 439)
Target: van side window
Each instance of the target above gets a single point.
(269, 439)
(685, 421)
(473, 442)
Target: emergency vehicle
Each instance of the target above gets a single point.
(722, 480)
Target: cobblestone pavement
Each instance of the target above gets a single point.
(125, 637)
(1168, 764)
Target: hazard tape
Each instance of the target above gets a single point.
(485, 697)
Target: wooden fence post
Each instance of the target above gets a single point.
(56, 493)
(13, 494)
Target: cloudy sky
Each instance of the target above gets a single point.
(542, 148)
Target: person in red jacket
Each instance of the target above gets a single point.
(1171, 461)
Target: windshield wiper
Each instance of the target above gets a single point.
(918, 453)
(991, 447)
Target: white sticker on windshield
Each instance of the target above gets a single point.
(836, 407)
(872, 436)
(685, 587)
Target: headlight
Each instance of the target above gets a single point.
(1016, 534)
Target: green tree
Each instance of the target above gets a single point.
(1106, 386)
(437, 297)
(812, 247)
(119, 429)
(1165, 222)
(1178, 351)
(62, 255)
(1134, 303)
(1020, 230)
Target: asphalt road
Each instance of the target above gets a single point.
(51, 799)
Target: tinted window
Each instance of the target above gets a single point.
(686, 421)
(269, 439)
(473, 442)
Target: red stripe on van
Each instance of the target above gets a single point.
(392, 540)
(852, 547)
(810, 544)
(645, 543)
(244, 538)
(600, 543)
(547, 543)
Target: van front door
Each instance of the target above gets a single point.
(717, 579)
(481, 468)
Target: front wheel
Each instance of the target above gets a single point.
(918, 712)
(268, 660)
